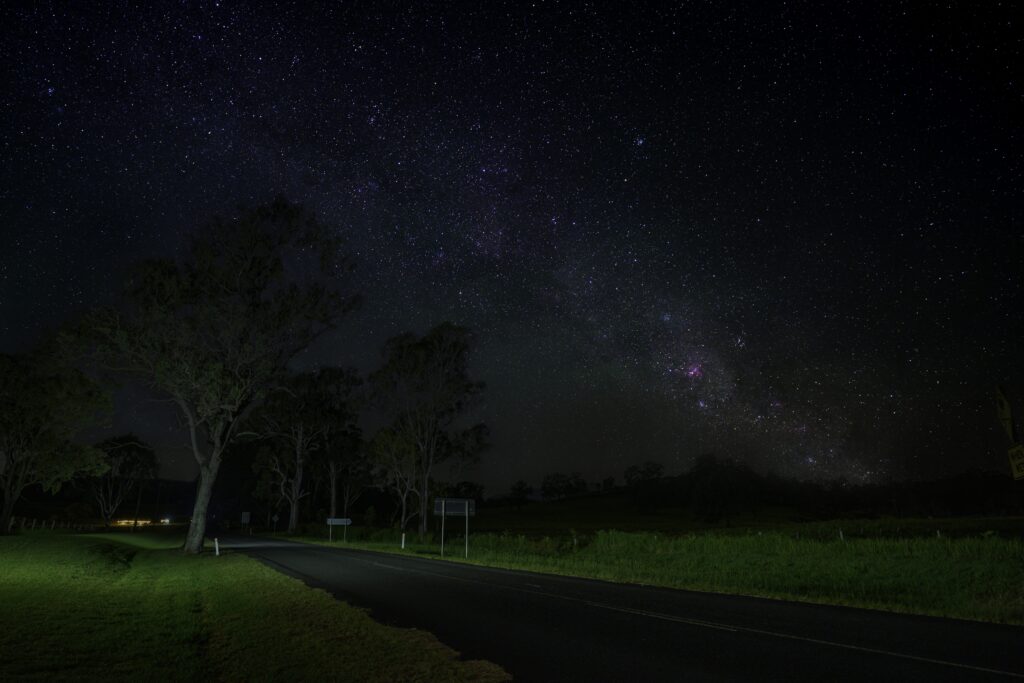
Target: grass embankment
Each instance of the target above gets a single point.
(132, 607)
(979, 578)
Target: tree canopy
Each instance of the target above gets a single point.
(423, 387)
(306, 416)
(128, 462)
(214, 331)
(43, 405)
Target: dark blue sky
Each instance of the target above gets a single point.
(787, 233)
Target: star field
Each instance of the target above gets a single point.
(786, 233)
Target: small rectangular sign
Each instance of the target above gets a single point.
(1016, 455)
(245, 518)
(338, 521)
(454, 507)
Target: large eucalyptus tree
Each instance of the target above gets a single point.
(215, 330)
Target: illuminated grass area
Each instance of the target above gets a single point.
(131, 607)
(979, 577)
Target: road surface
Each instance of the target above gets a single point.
(549, 628)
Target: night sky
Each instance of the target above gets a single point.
(785, 233)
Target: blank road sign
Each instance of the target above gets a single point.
(454, 507)
(338, 521)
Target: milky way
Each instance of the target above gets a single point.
(785, 233)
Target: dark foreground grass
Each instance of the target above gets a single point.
(131, 607)
(980, 578)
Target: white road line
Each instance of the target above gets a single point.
(702, 624)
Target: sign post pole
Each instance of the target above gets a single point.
(443, 515)
(460, 506)
(330, 533)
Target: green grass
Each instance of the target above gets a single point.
(979, 577)
(131, 607)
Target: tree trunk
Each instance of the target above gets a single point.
(138, 506)
(197, 528)
(293, 516)
(423, 506)
(156, 506)
(332, 472)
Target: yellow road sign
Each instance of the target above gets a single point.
(1016, 455)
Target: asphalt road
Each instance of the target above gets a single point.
(548, 628)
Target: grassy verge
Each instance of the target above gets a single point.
(980, 578)
(131, 607)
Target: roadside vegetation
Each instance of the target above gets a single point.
(968, 569)
(131, 607)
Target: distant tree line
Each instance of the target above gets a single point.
(716, 489)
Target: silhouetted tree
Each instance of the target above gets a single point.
(129, 461)
(643, 482)
(558, 485)
(266, 488)
(520, 493)
(720, 488)
(394, 455)
(214, 331)
(354, 477)
(649, 471)
(346, 459)
(423, 387)
(43, 404)
(295, 417)
(466, 489)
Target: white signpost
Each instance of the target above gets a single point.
(338, 521)
(454, 507)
